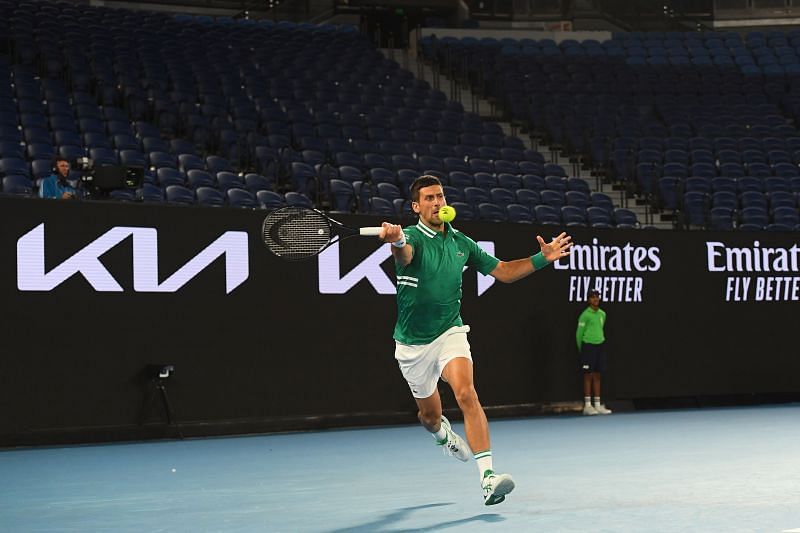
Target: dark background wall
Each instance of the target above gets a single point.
(275, 354)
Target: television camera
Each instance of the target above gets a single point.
(100, 178)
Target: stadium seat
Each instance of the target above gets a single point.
(150, 193)
(492, 212)
(17, 185)
(342, 196)
(509, 181)
(787, 216)
(573, 216)
(485, 180)
(298, 199)
(547, 215)
(598, 217)
(464, 211)
(460, 179)
(200, 178)
(667, 193)
(520, 213)
(242, 198)
(754, 216)
(390, 191)
(382, 175)
(502, 197)
(577, 199)
(695, 209)
(170, 176)
(187, 162)
(209, 196)
(178, 194)
(553, 198)
(304, 178)
(402, 208)
(726, 199)
(13, 166)
(625, 218)
(529, 198)
(533, 182)
(476, 196)
(381, 206)
(228, 180)
(269, 199)
(721, 218)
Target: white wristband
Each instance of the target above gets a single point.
(400, 243)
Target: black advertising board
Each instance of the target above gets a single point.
(97, 292)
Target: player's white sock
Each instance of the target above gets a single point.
(484, 460)
(597, 401)
(440, 435)
(587, 400)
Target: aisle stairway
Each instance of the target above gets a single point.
(485, 109)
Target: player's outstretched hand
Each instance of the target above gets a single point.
(557, 248)
(390, 232)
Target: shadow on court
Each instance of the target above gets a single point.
(382, 524)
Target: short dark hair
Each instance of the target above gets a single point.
(58, 159)
(423, 181)
(593, 293)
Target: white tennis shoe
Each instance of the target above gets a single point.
(495, 487)
(453, 444)
(589, 409)
(602, 409)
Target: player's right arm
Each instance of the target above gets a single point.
(393, 233)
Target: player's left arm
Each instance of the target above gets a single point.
(511, 271)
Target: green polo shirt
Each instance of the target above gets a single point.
(590, 327)
(429, 288)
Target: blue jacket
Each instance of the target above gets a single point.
(52, 188)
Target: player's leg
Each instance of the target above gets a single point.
(458, 373)
(431, 417)
(598, 405)
(587, 384)
(420, 368)
(596, 384)
(588, 363)
(597, 379)
(430, 412)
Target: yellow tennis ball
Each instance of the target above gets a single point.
(447, 214)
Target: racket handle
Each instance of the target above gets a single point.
(370, 232)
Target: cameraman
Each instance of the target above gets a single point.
(56, 185)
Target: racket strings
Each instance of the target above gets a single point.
(296, 233)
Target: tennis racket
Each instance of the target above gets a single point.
(296, 233)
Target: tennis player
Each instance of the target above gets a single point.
(430, 337)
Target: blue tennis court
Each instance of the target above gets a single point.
(733, 469)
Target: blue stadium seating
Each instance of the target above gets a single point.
(735, 123)
(697, 115)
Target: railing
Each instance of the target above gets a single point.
(463, 73)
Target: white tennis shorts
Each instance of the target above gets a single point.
(422, 364)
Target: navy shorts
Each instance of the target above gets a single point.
(593, 357)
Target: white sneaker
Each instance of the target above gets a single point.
(495, 487)
(453, 444)
(589, 409)
(602, 409)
